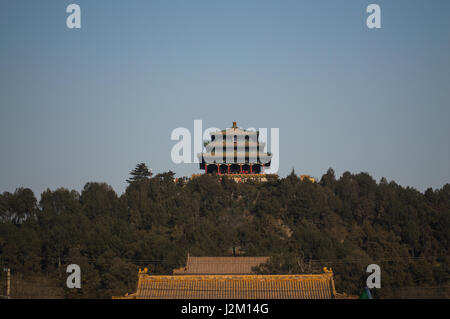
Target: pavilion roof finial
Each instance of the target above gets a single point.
(234, 125)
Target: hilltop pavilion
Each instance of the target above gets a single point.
(234, 151)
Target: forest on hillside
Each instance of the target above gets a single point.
(345, 223)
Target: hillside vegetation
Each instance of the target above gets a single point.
(346, 224)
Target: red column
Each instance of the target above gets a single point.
(206, 168)
(251, 169)
(240, 168)
(218, 169)
(228, 168)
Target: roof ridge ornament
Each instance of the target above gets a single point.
(326, 270)
(143, 271)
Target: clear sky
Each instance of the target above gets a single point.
(87, 105)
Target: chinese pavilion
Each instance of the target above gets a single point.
(234, 151)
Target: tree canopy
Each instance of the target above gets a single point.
(344, 223)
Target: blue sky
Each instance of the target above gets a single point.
(87, 105)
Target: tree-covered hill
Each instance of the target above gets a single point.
(346, 224)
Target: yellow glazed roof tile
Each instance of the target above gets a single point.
(236, 287)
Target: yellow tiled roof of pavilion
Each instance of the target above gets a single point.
(316, 286)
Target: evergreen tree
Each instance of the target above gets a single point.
(140, 172)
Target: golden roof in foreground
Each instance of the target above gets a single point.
(317, 286)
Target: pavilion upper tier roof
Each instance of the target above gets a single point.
(239, 143)
(235, 131)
